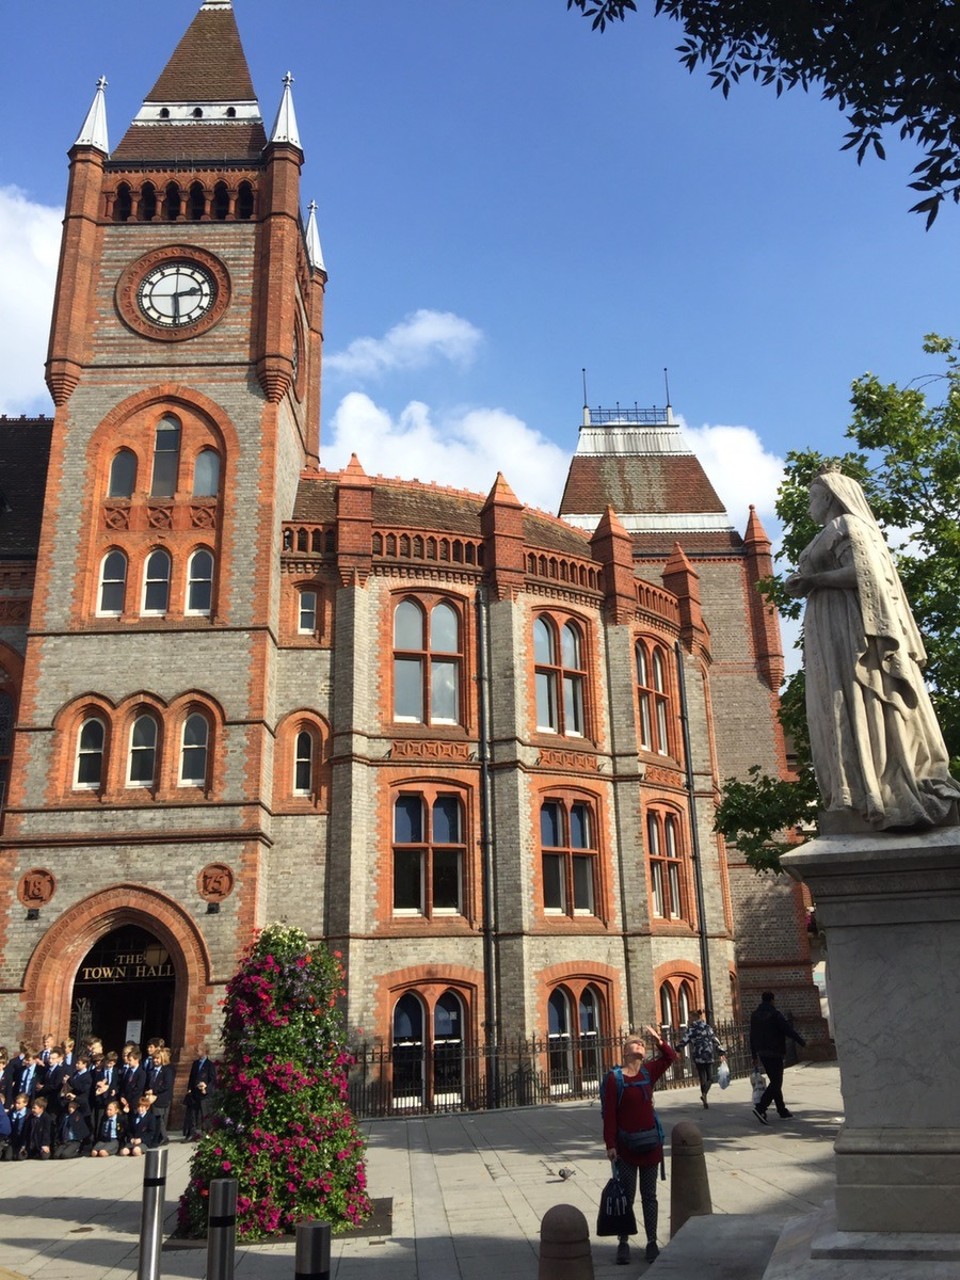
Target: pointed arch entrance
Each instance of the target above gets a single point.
(124, 989)
(131, 912)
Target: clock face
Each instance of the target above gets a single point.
(176, 293)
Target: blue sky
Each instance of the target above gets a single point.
(505, 197)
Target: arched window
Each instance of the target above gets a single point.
(148, 202)
(206, 474)
(666, 1008)
(123, 474)
(684, 1004)
(198, 201)
(560, 677)
(448, 1048)
(408, 1052)
(426, 663)
(200, 582)
(221, 201)
(142, 767)
(166, 458)
(653, 695)
(156, 583)
(172, 203)
(665, 852)
(428, 854)
(304, 764)
(590, 1021)
(559, 1047)
(89, 764)
(245, 201)
(123, 206)
(569, 852)
(113, 584)
(194, 751)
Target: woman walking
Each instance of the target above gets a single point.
(630, 1132)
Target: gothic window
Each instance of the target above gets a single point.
(428, 854)
(666, 1009)
(304, 764)
(113, 584)
(245, 201)
(142, 766)
(666, 865)
(560, 676)
(172, 203)
(307, 613)
(221, 201)
(654, 698)
(559, 1042)
(568, 846)
(684, 1004)
(408, 1051)
(198, 201)
(166, 458)
(426, 663)
(123, 474)
(156, 583)
(123, 206)
(200, 582)
(194, 751)
(148, 202)
(206, 474)
(90, 747)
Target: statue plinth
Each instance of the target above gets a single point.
(889, 905)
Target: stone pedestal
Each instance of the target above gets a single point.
(890, 908)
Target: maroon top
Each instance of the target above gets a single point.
(636, 1107)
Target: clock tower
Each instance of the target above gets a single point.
(184, 363)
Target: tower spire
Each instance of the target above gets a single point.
(93, 132)
(314, 252)
(285, 126)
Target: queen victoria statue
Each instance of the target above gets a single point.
(876, 744)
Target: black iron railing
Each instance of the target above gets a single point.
(410, 1078)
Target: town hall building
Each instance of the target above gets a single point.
(474, 747)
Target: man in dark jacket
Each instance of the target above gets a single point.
(768, 1044)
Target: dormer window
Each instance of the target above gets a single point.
(164, 113)
(197, 113)
(231, 113)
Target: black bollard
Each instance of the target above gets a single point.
(222, 1229)
(313, 1251)
(151, 1214)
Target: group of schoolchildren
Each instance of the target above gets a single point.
(58, 1104)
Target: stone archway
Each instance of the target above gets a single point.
(53, 967)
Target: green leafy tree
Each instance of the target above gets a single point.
(888, 64)
(908, 461)
(282, 1127)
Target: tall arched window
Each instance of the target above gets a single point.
(653, 696)
(559, 676)
(569, 857)
(123, 474)
(448, 1047)
(304, 764)
(166, 458)
(589, 1009)
(89, 764)
(156, 583)
(142, 767)
(426, 663)
(666, 1007)
(206, 474)
(684, 1004)
(200, 582)
(428, 854)
(408, 1052)
(194, 751)
(113, 584)
(664, 849)
(559, 1047)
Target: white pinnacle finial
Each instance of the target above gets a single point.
(94, 130)
(285, 126)
(314, 252)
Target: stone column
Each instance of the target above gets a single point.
(889, 904)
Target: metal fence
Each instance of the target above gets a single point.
(410, 1078)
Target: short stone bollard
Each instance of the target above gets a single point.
(565, 1245)
(689, 1187)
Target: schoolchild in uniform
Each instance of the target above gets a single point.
(38, 1132)
(73, 1133)
(18, 1120)
(141, 1130)
(110, 1132)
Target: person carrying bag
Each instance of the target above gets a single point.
(632, 1134)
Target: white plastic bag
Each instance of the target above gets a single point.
(723, 1074)
(759, 1082)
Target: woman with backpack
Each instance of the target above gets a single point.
(631, 1132)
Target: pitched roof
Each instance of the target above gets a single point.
(203, 106)
(24, 456)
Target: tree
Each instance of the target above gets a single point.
(888, 64)
(282, 1126)
(908, 461)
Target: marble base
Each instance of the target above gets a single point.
(811, 1248)
(889, 906)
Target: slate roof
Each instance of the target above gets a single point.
(632, 483)
(24, 456)
(241, 140)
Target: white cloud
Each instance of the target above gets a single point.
(29, 249)
(418, 340)
(464, 450)
(741, 470)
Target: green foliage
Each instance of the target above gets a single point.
(908, 461)
(888, 64)
(282, 1128)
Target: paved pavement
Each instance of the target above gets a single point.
(468, 1191)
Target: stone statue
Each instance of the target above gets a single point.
(876, 744)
